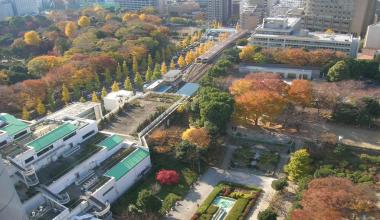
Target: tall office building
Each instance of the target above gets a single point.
(252, 13)
(26, 7)
(6, 10)
(219, 10)
(134, 5)
(345, 16)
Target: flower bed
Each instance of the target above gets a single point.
(245, 197)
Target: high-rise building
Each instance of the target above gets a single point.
(372, 38)
(26, 7)
(134, 5)
(345, 16)
(6, 10)
(219, 10)
(252, 13)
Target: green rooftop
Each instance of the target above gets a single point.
(127, 164)
(14, 125)
(53, 136)
(111, 142)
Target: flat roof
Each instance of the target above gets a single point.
(188, 89)
(119, 94)
(111, 142)
(74, 109)
(13, 125)
(127, 164)
(172, 73)
(51, 137)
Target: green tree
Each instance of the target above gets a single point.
(40, 107)
(156, 72)
(96, 82)
(135, 67)
(65, 94)
(338, 72)
(104, 92)
(157, 57)
(107, 77)
(128, 84)
(51, 101)
(139, 81)
(279, 184)
(115, 87)
(299, 165)
(267, 214)
(118, 73)
(150, 61)
(25, 113)
(148, 74)
(82, 99)
(125, 70)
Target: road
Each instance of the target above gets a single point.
(213, 176)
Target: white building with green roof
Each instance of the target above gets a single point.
(11, 128)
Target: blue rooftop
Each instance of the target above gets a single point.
(189, 89)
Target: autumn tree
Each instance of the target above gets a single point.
(40, 65)
(150, 61)
(128, 84)
(335, 198)
(32, 38)
(125, 69)
(65, 94)
(70, 29)
(135, 67)
(172, 65)
(189, 58)
(148, 74)
(25, 113)
(299, 165)
(338, 72)
(40, 107)
(164, 69)
(181, 62)
(94, 97)
(138, 81)
(115, 87)
(84, 21)
(118, 73)
(197, 136)
(104, 92)
(300, 92)
(167, 177)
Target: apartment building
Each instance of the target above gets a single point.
(372, 38)
(26, 7)
(219, 10)
(63, 167)
(6, 10)
(287, 32)
(252, 13)
(343, 16)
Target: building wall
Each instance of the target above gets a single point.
(372, 39)
(219, 10)
(24, 7)
(6, 10)
(134, 5)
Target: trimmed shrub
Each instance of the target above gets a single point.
(279, 184)
(237, 210)
(210, 198)
(167, 177)
(205, 217)
(169, 202)
(212, 209)
(267, 214)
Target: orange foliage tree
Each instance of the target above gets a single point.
(335, 198)
(259, 96)
(300, 92)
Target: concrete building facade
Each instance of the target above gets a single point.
(219, 10)
(134, 5)
(6, 10)
(372, 38)
(343, 16)
(287, 32)
(252, 13)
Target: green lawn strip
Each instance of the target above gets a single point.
(237, 210)
(210, 198)
(169, 202)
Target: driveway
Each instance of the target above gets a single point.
(195, 197)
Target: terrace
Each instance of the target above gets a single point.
(65, 163)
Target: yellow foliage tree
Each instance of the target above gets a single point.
(84, 21)
(40, 107)
(189, 57)
(94, 97)
(115, 87)
(172, 65)
(25, 113)
(181, 61)
(65, 94)
(70, 29)
(32, 38)
(164, 69)
(198, 136)
(142, 17)
(104, 92)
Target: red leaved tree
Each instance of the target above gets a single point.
(167, 177)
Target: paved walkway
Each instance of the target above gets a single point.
(188, 206)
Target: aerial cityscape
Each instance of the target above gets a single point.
(190, 109)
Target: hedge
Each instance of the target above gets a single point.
(168, 202)
(205, 217)
(212, 209)
(237, 210)
(215, 192)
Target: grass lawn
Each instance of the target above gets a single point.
(171, 193)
